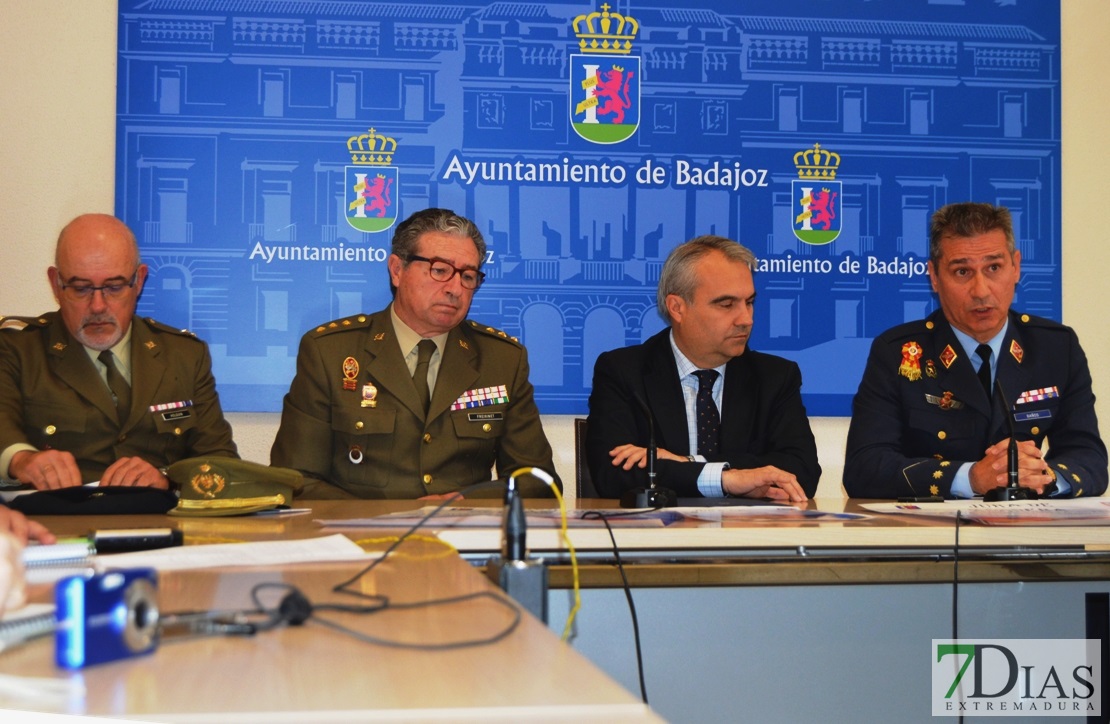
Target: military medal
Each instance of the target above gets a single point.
(350, 374)
(369, 395)
(930, 369)
(910, 369)
(1016, 351)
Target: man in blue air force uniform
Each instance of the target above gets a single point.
(930, 416)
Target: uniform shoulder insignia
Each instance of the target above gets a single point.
(907, 330)
(159, 326)
(496, 333)
(338, 325)
(18, 324)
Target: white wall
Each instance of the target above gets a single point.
(57, 132)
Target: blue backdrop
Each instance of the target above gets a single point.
(266, 148)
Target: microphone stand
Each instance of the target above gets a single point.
(522, 577)
(1012, 490)
(653, 496)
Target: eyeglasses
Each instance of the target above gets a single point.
(444, 271)
(83, 291)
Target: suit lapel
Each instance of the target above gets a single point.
(71, 364)
(458, 372)
(1013, 375)
(961, 378)
(387, 362)
(664, 394)
(737, 403)
(148, 366)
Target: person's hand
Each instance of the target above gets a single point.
(13, 592)
(134, 472)
(765, 482)
(22, 528)
(994, 469)
(628, 456)
(45, 469)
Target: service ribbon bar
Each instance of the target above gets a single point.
(1043, 393)
(171, 406)
(481, 397)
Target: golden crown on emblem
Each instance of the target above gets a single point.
(606, 32)
(817, 163)
(370, 149)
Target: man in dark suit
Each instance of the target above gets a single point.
(758, 443)
(370, 415)
(91, 392)
(930, 416)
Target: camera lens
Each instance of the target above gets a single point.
(141, 632)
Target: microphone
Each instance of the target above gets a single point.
(653, 496)
(1011, 491)
(523, 578)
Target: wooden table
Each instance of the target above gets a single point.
(313, 673)
(759, 621)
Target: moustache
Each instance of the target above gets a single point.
(102, 318)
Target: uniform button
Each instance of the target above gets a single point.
(121, 438)
(487, 427)
(1036, 431)
(427, 479)
(427, 438)
(50, 429)
(942, 434)
(177, 431)
(358, 425)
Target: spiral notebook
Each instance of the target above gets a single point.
(27, 623)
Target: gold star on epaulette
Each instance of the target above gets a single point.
(1075, 477)
(1061, 466)
(934, 490)
(938, 474)
(149, 344)
(346, 323)
(945, 463)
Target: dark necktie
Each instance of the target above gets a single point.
(420, 375)
(984, 352)
(709, 419)
(119, 387)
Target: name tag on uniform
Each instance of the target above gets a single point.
(485, 416)
(481, 397)
(172, 411)
(1032, 415)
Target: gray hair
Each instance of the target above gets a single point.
(679, 277)
(446, 221)
(968, 219)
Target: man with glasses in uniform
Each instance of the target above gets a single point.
(414, 401)
(93, 393)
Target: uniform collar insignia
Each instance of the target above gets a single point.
(1016, 351)
(948, 356)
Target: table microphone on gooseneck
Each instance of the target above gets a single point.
(653, 496)
(1011, 491)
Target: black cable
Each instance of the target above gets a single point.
(956, 589)
(590, 515)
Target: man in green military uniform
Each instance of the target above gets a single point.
(413, 401)
(91, 392)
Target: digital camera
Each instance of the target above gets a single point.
(105, 617)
